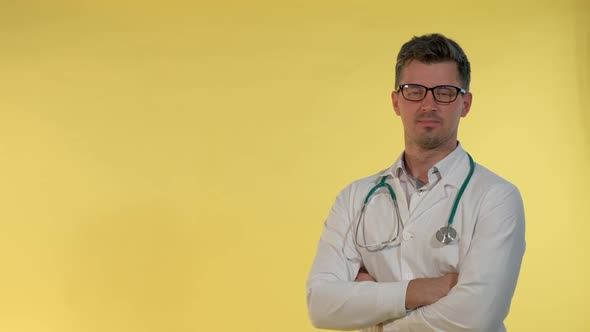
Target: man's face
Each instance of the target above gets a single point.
(429, 124)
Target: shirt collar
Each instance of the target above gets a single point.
(451, 169)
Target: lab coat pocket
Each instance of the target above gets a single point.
(377, 226)
(445, 256)
(376, 260)
(381, 264)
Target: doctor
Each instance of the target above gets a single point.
(434, 242)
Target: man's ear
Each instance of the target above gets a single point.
(467, 99)
(394, 100)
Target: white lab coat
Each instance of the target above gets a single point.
(487, 254)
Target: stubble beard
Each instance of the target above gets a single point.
(432, 140)
(428, 142)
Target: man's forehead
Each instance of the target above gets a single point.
(445, 72)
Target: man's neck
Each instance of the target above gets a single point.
(418, 160)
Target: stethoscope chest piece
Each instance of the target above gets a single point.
(446, 235)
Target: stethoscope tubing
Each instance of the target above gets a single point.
(382, 183)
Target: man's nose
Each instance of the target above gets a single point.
(429, 103)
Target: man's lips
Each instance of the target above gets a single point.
(428, 121)
(432, 118)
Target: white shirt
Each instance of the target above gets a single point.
(487, 253)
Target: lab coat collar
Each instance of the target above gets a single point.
(453, 168)
(453, 171)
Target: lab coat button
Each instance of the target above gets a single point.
(407, 236)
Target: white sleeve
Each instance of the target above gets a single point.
(487, 274)
(334, 300)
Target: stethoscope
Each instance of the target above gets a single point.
(444, 235)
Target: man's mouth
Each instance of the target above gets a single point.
(428, 121)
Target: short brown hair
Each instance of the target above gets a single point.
(433, 48)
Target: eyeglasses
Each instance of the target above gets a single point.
(442, 93)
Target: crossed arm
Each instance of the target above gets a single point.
(478, 299)
(422, 291)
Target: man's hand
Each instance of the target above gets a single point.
(363, 275)
(425, 291)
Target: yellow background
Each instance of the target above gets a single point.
(167, 166)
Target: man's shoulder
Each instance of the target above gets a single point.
(363, 185)
(488, 180)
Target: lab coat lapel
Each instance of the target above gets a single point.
(437, 195)
(441, 196)
(402, 201)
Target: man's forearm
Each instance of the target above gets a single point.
(421, 291)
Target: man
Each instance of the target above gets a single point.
(434, 242)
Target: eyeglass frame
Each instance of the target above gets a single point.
(459, 91)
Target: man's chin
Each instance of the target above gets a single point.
(429, 143)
